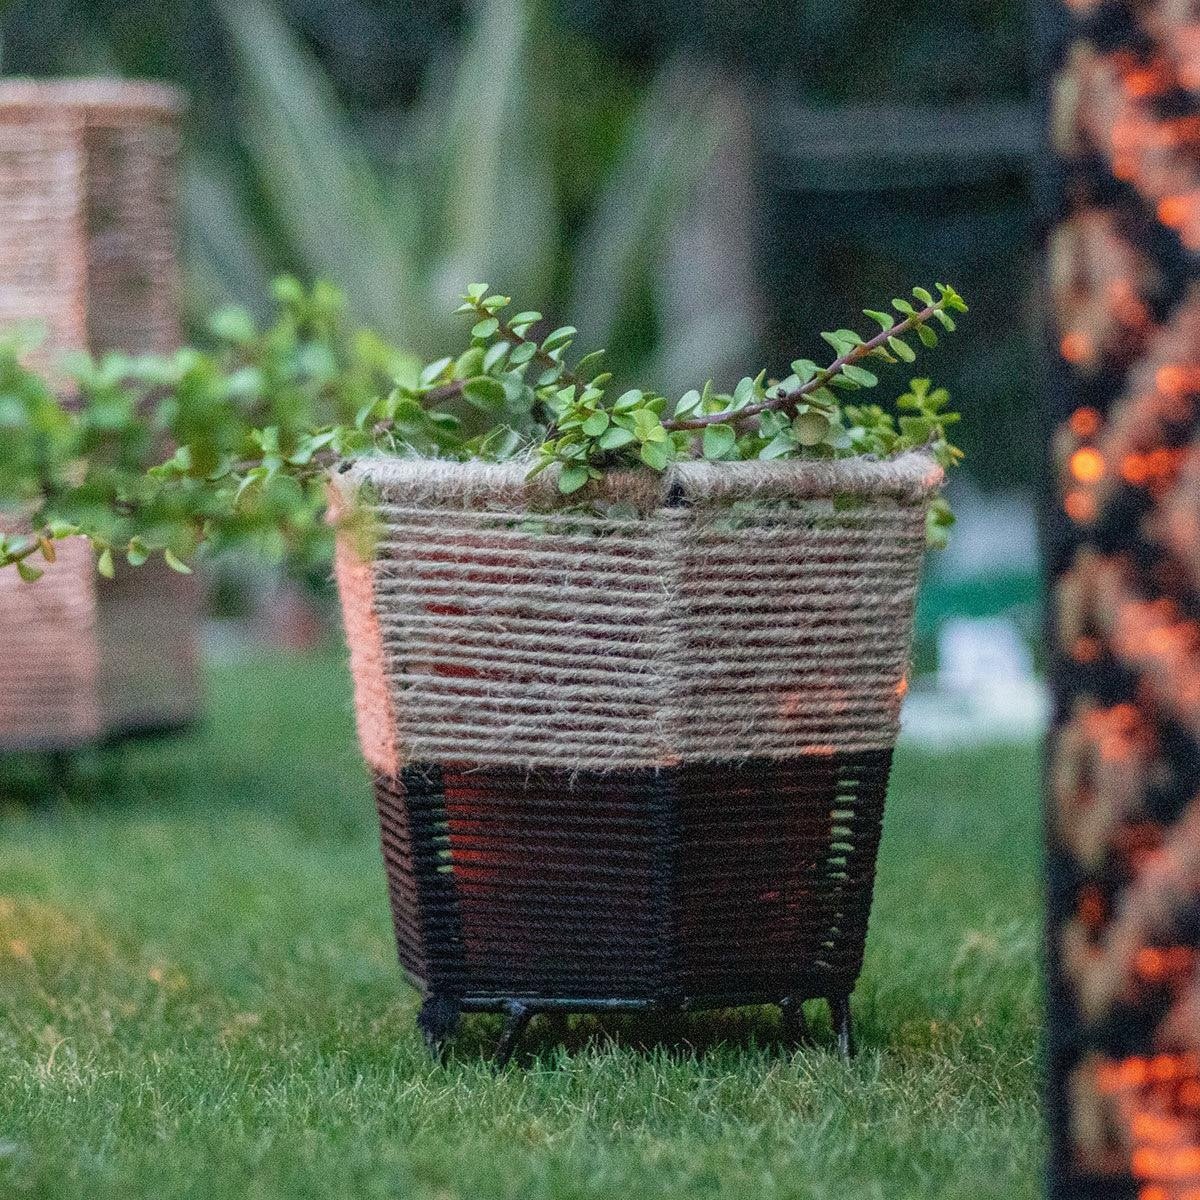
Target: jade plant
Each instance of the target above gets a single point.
(159, 455)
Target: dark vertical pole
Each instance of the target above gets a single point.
(1050, 35)
(1114, 185)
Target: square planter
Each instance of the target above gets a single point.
(88, 174)
(631, 751)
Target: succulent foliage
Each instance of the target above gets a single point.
(159, 455)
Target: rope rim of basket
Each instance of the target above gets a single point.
(911, 477)
(96, 100)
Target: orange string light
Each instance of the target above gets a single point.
(1076, 347)
(1085, 422)
(1080, 507)
(1087, 465)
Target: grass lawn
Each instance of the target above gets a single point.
(199, 997)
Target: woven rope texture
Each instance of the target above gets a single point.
(88, 174)
(639, 756)
(49, 656)
(703, 883)
(767, 616)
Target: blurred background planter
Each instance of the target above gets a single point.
(88, 253)
(632, 755)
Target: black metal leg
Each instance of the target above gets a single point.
(843, 1024)
(437, 1022)
(795, 1023)
(518, 1018)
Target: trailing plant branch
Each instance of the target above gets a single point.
(785, 399)
(159, 455)
(508, 331)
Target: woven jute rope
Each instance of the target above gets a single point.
(717, 612)
(88, 172)
(49, 656)
(88, 252)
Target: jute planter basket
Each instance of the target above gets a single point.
(636, 756)
(88, 175)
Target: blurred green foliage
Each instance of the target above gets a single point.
(402, 148)
(505, 147)
(232, 446)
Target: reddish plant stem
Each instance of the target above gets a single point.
(790, 399)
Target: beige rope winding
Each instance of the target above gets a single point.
(88, 172)
(768, 615)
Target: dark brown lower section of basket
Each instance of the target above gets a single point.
(696, 886)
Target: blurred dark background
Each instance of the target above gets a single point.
(683, 179)
(699, 186)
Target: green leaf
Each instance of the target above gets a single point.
(627, 401)
(743, 393)
(469, 363)
(718, 441)
(494, 356)
(616, 436)
(364, 414)
(839, 343)
(559, 337)
(572, 478)
(485, 328)
(927, 336)
(780, 445)
(104, 564)
(28, 572)
(233, 324)
(946, 320)
(287, 290)
(773, 422)
(657, 454)
(923, 294)
(904, 307)
(520, 355)
(484, 392)
(688, 403)
(860, 375)
(902, 349)
(176, 564)
(951, 298)
(136, 554)
(522, 321)
(588, 363)
(477, 291)
(885, 320)
(435, 370)
(648, 427)
(916, 429)
(810, 428)
(596, 424)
